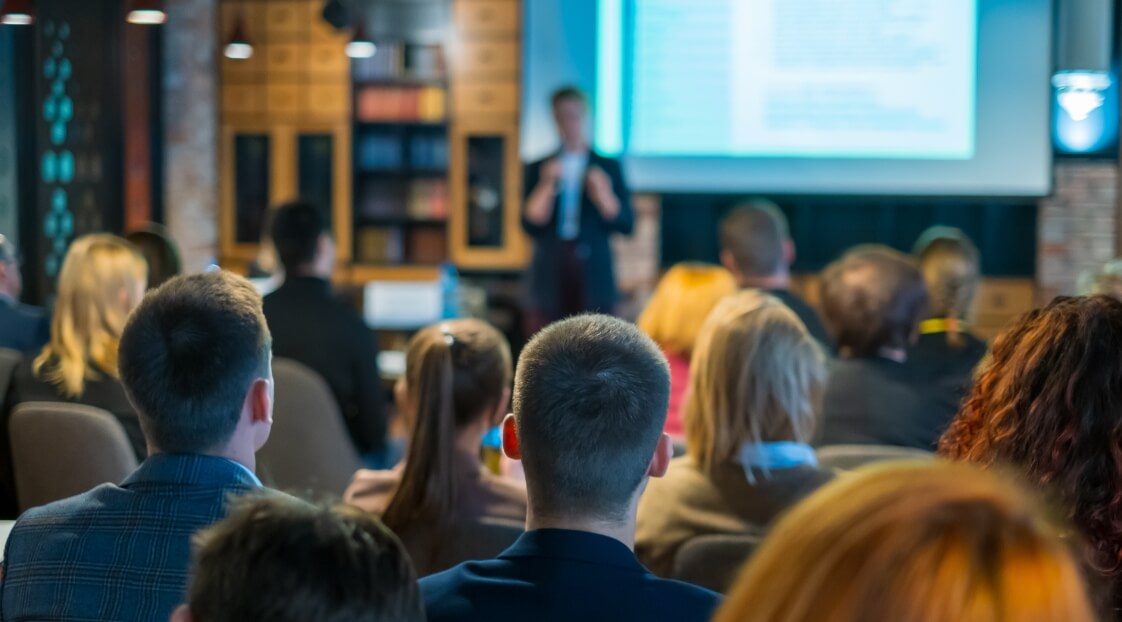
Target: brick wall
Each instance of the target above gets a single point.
(1076, 229)
(191, 130)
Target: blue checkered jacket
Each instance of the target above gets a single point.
(117, 552)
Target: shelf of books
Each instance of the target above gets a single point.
(400, 157)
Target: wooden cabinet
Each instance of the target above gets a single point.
(264, 165)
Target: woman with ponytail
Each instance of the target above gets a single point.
(946, 353)
(441, 501)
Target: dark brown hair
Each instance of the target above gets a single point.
(159, 251)
(1050, 404)
(568, 92)
(278, 559)
(872, 298)
(455, 373)
(951, 268)
(590, 400)
(754, 232)
(189, 354)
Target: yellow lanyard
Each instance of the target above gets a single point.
(941, 325)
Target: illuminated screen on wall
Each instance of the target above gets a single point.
(803, 96)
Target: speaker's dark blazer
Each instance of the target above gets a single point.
(593, 243)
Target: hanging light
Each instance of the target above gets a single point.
(147, 13)
(238, 46)
(17, 13)
(360, 45)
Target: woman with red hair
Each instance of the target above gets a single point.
(1049, 403)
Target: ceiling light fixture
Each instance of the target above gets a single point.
(17, 13)
(147, 13)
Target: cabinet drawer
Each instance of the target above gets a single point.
(327, 62)
(243, 99)
(498, 98)
(284, 19)
(1006, 296)
(282, 99)
(285, 61)
(328, 100)
(486, 17)
(487, 59)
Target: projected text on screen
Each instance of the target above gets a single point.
(799, 78)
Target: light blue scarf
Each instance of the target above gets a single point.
(774, 456)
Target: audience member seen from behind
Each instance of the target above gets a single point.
(311, 326)
(872, 300)
(23, 328)
(282, 560)
(442, 502)
(937, 542)
(1106, 280)
(1049, 403)
(102, 280)
(945, 351)
(757, 248)
(590, 397)
(754, 400)
(683, 299)
(195, 359)
(159, 251)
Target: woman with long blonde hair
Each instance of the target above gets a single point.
(102, 280)
(756, 382)
(912, 542)
(684, 297)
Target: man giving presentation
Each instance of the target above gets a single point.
(576, 199)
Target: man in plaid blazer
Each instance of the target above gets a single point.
(195, 360)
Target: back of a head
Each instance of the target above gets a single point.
(685, 296)
(1049, 402)
(159, 251)
(951, 269)
(281, 560)
(754, 233)
(1107, 279)
(590, 400)
(296, 229)
(456, 372)
(756, 376)
(872, 299)
(912, 542)
(102, 279)
(189, 354)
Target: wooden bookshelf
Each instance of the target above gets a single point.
(414, 152)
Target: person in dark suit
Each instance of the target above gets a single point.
(872, 301)
(590, 401)
(23, 328)
(311, 326)
(757, 248)
(195, 359)
(576, 199)
(751, 411)
(946, 352)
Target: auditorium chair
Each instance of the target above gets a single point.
(9, 360)
(849, 457)
(713, 561)
(309, 451)
(61, 449)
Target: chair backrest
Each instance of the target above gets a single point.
(309, 450)
(850, 457)
(9, 360)
(61, 449)
(713, 561)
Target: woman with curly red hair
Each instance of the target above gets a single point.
(1049, 403)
